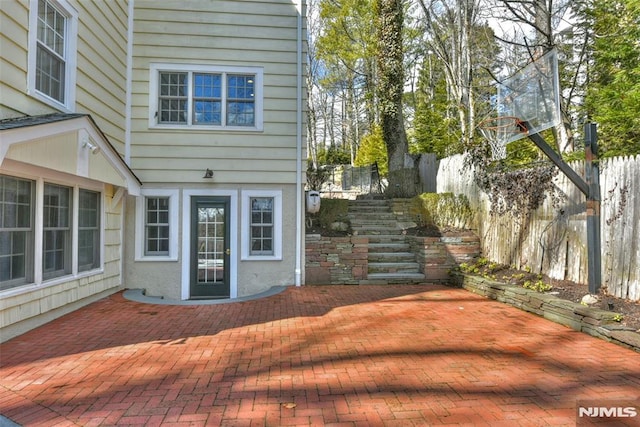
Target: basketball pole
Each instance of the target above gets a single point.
(590, 187)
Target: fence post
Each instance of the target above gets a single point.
(592, 177)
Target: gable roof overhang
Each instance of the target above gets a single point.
(69, 143)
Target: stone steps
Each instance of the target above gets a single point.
(389, 257)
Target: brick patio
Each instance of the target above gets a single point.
(317, 355)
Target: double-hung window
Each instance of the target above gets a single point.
(262, 225)
(157, 225)
(68, 223)
(205, 96)
(52, 51)
(88, 230)
(156, 240)
(56, 241)
(16, 231)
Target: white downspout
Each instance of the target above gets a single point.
(299, 194)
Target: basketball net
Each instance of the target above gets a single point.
(497, 130)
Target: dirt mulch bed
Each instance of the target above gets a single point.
(565, 289)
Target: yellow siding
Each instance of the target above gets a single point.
(102, 69)
(239, 33)
(14, 22)
(101, 64)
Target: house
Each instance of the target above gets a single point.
(145, 144)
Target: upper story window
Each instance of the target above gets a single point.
(52, 52)
(205, 96)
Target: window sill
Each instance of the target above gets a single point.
(262, 258)
(156, 259)
(33, 287)
(208, 128)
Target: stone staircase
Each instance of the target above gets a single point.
(390, 259)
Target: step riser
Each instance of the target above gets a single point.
(394, 257)
(396, 278)
(384, 238)
(384, 267)
(389, 248)
(373, 220)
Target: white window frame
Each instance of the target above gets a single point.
(98, 228)
(140, 236)
(246, 197)
(39, 178)
(70, 49)
(154, 74)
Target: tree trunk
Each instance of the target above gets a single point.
(391, 88)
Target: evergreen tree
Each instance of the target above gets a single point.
(613, 93)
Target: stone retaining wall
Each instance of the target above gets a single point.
(437, 256)
(593, 321)
(344, 260)
(336, 260)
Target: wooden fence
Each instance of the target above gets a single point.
(554, 240)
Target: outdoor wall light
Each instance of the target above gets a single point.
(93, 148)
(208, 174)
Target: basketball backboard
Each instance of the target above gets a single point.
(527, 103)
(531, 96)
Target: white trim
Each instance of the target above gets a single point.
(75, 221)
(174, 224)
(70, 49)
(186, 238)
(245, 229)
(156, 68)
(300, 232)
(85, 128)
(129, 84)
(38, 230)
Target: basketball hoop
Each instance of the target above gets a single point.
(499, 130)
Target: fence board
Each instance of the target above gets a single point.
(554, 241)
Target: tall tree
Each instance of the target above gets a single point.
(613, 97)
(449, 25)
(436, 128)
(346, 46)
(389, 25)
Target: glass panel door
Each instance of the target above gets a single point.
(210, 247)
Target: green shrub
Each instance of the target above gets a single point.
(441, 209)
(332, 210)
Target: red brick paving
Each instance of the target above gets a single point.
(333, 356)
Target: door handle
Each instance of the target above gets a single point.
(228, 252)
